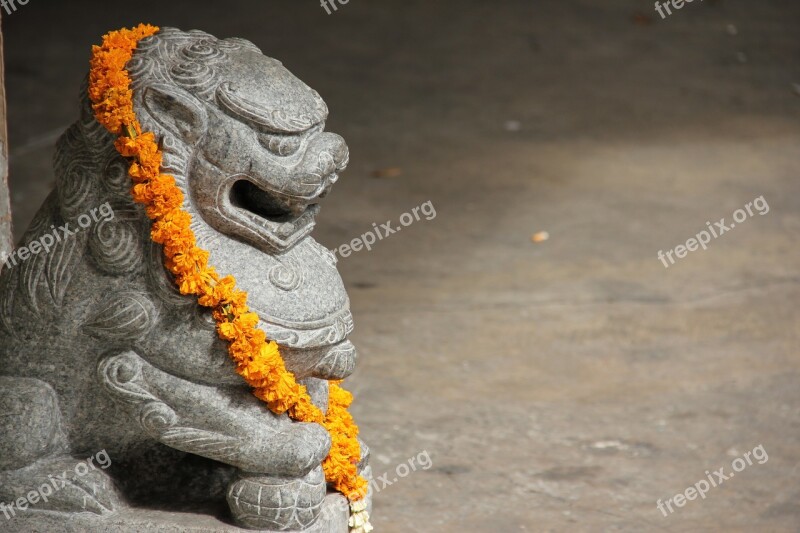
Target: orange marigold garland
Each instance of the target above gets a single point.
(257, 360)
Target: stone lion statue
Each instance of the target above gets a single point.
(98, 350)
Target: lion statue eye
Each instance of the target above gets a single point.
(282, 145)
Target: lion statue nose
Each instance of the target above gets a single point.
(326, 157)
(334, 147)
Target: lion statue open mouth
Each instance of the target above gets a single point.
(98, 350)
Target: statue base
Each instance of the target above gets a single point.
(334, 517)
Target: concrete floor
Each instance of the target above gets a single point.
(560, 386)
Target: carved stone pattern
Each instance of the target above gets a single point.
(126, 315)
(46, 275)
(121, 376)
(308, 335)
(264, 503)
(285, 277)
(116, 247)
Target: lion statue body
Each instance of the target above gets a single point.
(98, 350)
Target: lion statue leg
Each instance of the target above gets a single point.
(280, 485)
(36, 471)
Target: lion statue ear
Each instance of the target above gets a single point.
(177, 111)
